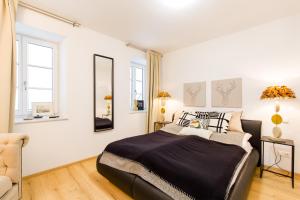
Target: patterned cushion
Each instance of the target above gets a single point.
(195, 123)
(204, 118)
(202, 115)
(199, 123)
(219, 122)
(213, 114)
(185, 119)
(205, 123)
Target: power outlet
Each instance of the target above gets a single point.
(284, 154)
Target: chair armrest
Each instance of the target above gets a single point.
(11, 155)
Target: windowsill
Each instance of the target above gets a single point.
(23, 121)
(137, 111)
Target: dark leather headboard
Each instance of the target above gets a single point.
(253, 127)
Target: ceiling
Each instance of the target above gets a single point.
(164, 26)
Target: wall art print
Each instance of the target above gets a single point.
(194, 94)
(226, 93)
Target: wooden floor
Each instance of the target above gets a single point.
(82, 181)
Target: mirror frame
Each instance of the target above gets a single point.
(112, 92)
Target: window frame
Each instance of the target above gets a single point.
(24, 41)
(19, 87)
(133, 67)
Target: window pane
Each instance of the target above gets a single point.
(36, 95)
(139, 74)
(17, 99)
(39, 77)
(17, 51)
(139, 87)
(17, 75)
(39, 55)
(139, 96)
(131, 73)
(131, 88)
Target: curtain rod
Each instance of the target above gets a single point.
(141, 49)
(49, 14)
(136, 47)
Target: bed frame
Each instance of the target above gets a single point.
(139, 189)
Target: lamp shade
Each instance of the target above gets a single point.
(278, 92)
(163, 94)
(108, 97)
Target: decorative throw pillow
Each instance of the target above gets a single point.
(199, 123)
(195, 123)
(206, 115)
(219, 122)
(235, 123)
(185, 119)
(213, 114)
(202, 115)
(204, 123)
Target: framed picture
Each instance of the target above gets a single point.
(194, 94)
(140, 104)
(227, 93)
(42, 109)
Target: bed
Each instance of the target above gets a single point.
(139, 189)
(102, 123)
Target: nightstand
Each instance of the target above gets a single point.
(160, 124)
(284, 142)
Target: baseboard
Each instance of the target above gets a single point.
(59, 167)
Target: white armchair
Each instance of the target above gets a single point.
(11, 165)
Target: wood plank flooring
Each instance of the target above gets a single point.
(81, 181)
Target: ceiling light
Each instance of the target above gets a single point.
(177, 4)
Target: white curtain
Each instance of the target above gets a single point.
(7, 63)
(153, 67)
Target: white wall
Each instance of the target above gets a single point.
(56, 143)
(265, 55)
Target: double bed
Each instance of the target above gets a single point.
(102, 123)
(142, 185)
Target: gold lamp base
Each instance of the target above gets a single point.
(277, 132)
(162, 114)
(277, 119)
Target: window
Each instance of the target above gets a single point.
(36, 73)
(137, 87)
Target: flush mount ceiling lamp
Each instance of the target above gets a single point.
(177, 4)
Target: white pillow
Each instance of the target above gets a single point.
(172, 128)
(235, 123)
(246, 138)
(248, 147)
(236, 138)
(196, 131)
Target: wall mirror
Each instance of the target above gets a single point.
(103, 93)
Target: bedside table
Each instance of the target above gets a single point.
(161, 124)
(284, 142)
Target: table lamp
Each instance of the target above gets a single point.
(277, 93)
(163, 96)
(108, 99)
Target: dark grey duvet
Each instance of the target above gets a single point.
(200, 168)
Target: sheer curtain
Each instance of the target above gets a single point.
(153, 67)
(7, 63)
